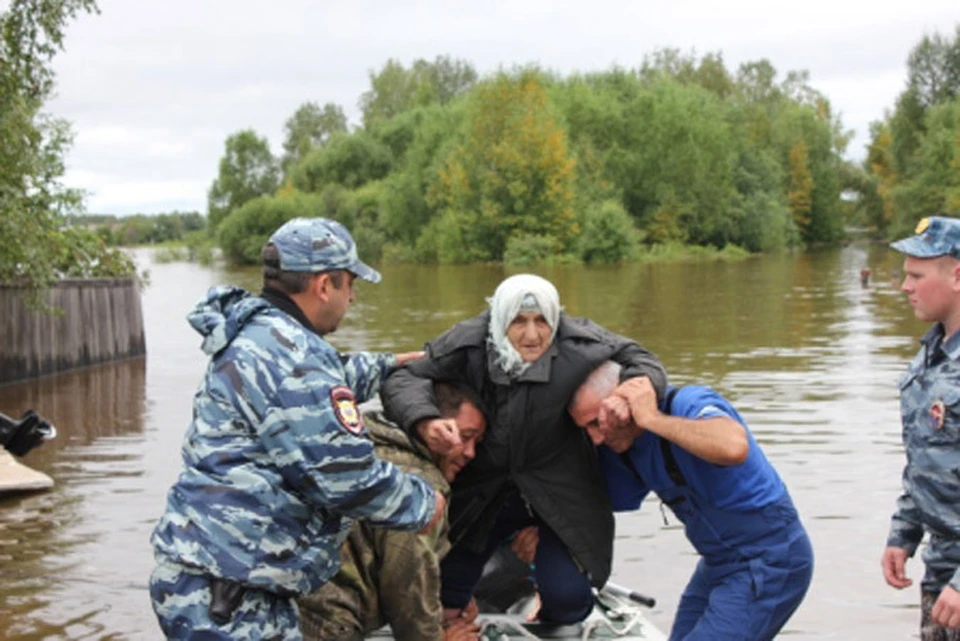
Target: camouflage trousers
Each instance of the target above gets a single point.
(181, 601)
(930, 631)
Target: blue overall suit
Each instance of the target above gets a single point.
(756, 559)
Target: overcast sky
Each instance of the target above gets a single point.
(154, 87)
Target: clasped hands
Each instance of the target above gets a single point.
(632, 405)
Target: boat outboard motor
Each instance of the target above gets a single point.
(19, 437)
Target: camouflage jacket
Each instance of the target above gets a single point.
(387, 576)
(275, 462)
(930, 408)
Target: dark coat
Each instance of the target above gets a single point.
(531, 441)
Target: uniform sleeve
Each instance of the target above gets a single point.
(906, 530)
(637, 361)
(625, 489)
(365, 371)
(407, 394)
(314, 435)
(409, 590)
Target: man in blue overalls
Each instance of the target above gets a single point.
(696, 453)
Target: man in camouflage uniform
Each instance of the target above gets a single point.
(930, 408)
(392, 577)
(276, 465)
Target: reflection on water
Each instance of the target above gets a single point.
(47, 539)
(809, 355)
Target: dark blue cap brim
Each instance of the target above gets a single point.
(917, 247)
(364, 271)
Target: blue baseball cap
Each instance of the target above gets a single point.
(319, 245)
(936, 236)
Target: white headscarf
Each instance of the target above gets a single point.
(519, 293)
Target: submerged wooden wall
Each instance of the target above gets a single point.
(99, 320)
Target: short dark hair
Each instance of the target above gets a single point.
(451, 395)
(290, 282)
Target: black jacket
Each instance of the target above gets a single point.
(531, 442)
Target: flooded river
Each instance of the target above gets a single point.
(807, 354)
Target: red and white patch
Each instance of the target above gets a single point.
(345, 407)
(937, 413)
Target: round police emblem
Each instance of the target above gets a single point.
(345, 409)
(938, 412)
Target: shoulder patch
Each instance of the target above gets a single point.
(345, 407)
(938, 413)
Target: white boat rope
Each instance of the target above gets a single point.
(505, 627)
(616, 630)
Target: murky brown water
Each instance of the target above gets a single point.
(809, 356)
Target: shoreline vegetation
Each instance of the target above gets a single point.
(679, 157)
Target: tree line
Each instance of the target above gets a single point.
(142, 229)
(526, 164)
(912, 167)
(518, 166)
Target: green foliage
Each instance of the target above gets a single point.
(444, 241)
(681, 150)
(934, 178)
(142, 229)
(608, 234)
(677, 252)
(38, 245)
(309, 127)
(348, 160)
(395, 89)
(933, 69)
(912, 163)
(708, 72)
(404, 211)
(526, 249)
(512, 174)
(81, 253)
(243, 233)
(247, 170)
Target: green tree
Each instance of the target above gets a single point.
(608, 234)
(247, 170)
(395, 89)
(348, 159)
(38, 244)
(933, 69)
(912, 153)
(310, 126)
(801, 187)
(512, 175)
(433, 130)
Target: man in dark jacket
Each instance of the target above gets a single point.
(525, 358)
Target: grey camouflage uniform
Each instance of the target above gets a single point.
(930, 408)
(930, 411)
(275, 469)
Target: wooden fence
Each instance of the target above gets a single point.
(98, 320)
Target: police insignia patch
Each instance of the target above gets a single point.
(922, 225)
(937, 413)
(345, 407)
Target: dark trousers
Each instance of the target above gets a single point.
(565, 593)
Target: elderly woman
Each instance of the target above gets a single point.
(525, 358)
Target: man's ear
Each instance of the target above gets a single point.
(320, 285)
(955, 272)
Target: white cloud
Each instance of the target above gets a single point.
(154, 88)
(111, 193)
